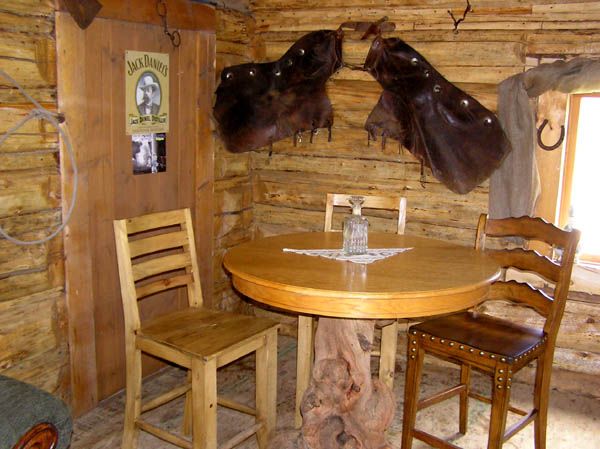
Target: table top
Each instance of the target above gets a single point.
(432, 278)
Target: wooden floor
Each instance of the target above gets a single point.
(574, 419)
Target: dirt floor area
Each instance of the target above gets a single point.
(574, 417)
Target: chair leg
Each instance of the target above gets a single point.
(465, 379)
(500, 400)
(540, 401)
(204, 404)
(133, 401)
(266, 389)
(187, 409)
(411, 390)
(304, 361)
(387, 360)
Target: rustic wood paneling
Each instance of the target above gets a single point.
(92, 66)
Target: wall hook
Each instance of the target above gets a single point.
(558, 143)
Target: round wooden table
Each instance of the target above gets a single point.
(432, 278)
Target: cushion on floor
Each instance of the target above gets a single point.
(22, 406)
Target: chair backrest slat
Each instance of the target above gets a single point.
(154, 221)
(527, 229)
(163, 284)
(397, 203)
(155, 253)
(155, 267)
(522, 293)
(527, 261)
(530, 228)
(157, 243)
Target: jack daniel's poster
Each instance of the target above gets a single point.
(146, 92)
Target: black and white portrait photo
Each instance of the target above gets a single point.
(148, 94)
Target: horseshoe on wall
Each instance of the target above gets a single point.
(558, 142)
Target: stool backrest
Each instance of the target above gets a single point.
(370, 202)
(547, 302)
(156, 252)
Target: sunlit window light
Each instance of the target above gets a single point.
(585, 201)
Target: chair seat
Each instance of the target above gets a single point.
(202, 332)
(484, 332)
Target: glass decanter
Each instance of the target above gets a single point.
(355, 229)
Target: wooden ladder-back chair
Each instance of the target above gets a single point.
(494, 346)
(389, 330)
(155, 253)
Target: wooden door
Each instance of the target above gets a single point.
(91, 89)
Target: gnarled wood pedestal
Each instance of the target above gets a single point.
(344, 406)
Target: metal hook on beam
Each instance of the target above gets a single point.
(558, 143)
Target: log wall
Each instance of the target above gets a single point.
(33, 342)
(258, 194)
(233, 204)
(498, 39)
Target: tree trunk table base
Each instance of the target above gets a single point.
(344, 406)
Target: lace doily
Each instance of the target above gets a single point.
(372, 254)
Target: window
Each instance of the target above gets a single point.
(579, 204)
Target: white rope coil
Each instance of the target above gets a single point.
(42, 113)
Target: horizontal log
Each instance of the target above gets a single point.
(35, 350)
(341, 167)
(30, 160)
(440, 207)
(44, 8)
(447, 4)
(518, 24)
(25, 284)
(235, 236)
(413, 36)
(363, 95)
(31, 336)
(459, 236)
(11, 116)
(44, 95)
(228, 165)
(565, 7)
(233, 26)
(577, 361)
(309, 19)
(27, 23)
(34, 221)
(28, 192)
(22, 46)
(233, 48)
(579, 327)
(45, 370)
(582, 25)
(458, 75)
(227, 223)
(26, 73)
(329, 183)
(565, 49)
(437, 53)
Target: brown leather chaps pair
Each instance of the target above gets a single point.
(445, 128)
